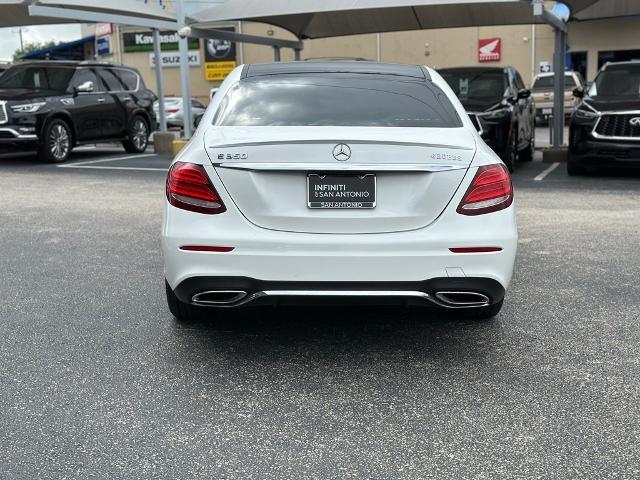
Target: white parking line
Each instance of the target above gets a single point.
(94, 167)
(544, 173)
(103, 160)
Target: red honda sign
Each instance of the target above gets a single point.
(489, 50)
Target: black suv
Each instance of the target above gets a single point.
(500, 106)
(53, 106)
(605, 127)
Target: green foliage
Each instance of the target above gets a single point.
(31, 46)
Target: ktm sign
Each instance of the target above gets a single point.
(489, 50)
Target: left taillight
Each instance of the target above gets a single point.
(189, 188)
(490, 191)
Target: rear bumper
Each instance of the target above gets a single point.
(446, 292)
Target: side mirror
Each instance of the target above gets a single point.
(524, 93)
(578, 92)
(86, 87)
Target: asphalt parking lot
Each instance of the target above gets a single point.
(98, 381)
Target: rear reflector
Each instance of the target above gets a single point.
(205, 248)
(189, 188)
(475, 249)
(490, 191)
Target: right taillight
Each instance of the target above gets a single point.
(490, 191)
(189, 188)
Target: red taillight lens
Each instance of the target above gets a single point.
(490, 191)
(189, 188)
(173, 110)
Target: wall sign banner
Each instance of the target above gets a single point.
(103, 29)
(489, 50)
(219, 58)
(172, 59)
(103, 46)
(143, 41)
(218, 71)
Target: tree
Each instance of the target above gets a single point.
(32, 46)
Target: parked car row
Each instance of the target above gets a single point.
(50, 107)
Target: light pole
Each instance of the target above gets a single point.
(19, 32)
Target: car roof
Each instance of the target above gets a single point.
(357, 67)
(70, 63)
(474, 69)
(625, 62)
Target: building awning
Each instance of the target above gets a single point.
(74, 50)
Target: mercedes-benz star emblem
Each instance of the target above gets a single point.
(635, 122)
(342, 152)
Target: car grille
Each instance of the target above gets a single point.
(3, 112)
(618, 126)
(476, 123)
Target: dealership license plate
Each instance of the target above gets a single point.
(546, 111)
(341, 191)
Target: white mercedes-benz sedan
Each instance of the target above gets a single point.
(333, 182)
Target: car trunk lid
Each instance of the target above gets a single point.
(265, 171)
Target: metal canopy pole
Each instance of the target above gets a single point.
(558, 88)
(183, 46)
(560, 29)
(159, 81)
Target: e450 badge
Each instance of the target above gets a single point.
(232, 156)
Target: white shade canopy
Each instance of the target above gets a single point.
(15, 13)
(329, 18)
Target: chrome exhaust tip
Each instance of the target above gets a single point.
(463, 299)
(218, 297)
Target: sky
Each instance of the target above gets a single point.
(59, 33)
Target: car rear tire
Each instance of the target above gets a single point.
(137, 136)
(183, 312)
(528, 153)
(574, 170)
(56, 142)
(481, 313)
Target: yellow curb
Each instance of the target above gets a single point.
(178, 145)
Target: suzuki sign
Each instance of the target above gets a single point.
(489, 50)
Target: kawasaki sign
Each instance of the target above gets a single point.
(143, 41)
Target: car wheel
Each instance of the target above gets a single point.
(528, 153)
(138, 136)
(575, 170)
(510, 153)
(481, 313)
(56, 143)
(183, 312)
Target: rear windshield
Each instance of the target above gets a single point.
(327, 100)
(37, 78)
(477, 84)
(548, 82)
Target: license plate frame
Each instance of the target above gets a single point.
(350, 197)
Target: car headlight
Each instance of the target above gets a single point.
(28, 107)
(586, 114)
(497, 114)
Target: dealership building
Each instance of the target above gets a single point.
(528, 48)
